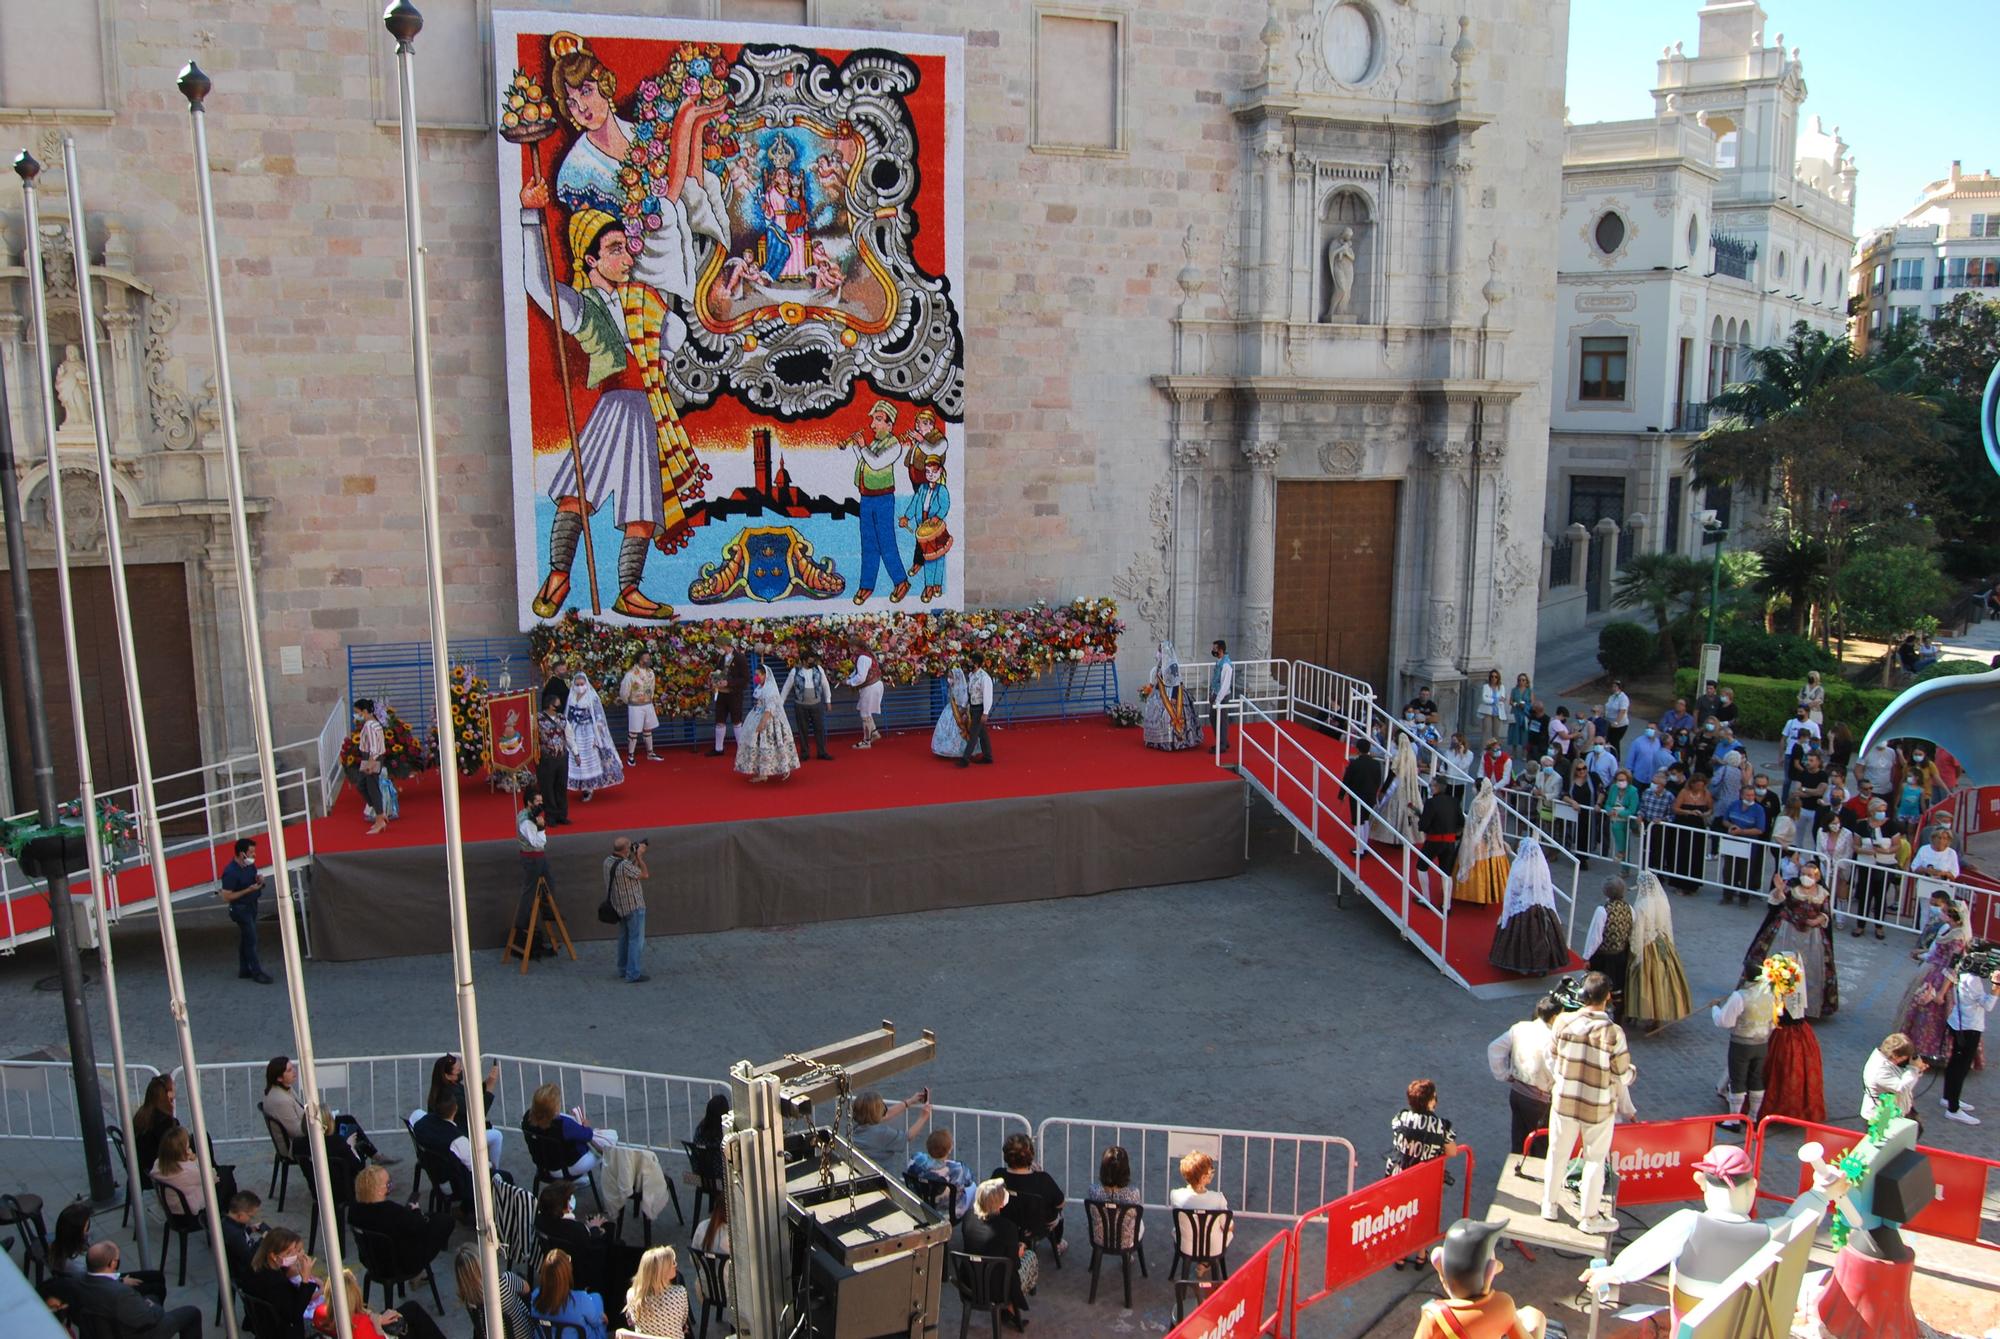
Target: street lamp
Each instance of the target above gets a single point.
(1713, 531)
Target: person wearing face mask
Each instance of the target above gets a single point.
(1646, 755)
(1800, 922)
(1745, 820)
(1801, 736)
(1497, 765)
(1810, 783)
(1878, 765)
(1621, 812)
(1914, 789)
(1878, 842)
(1656, 806)
(1725, 707)
(1836, 846)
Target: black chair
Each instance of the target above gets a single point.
(551, 1158)
(284, 1157)
(440, 1167)
(1034, 1218)
(984, 1283)
(1107, 1221)
(545, 1328)
(381, 1267)
(1207, 1232)
(714, 1284)
(342, 1173)
(34, 1236)
(182, 1222)
(260, 1319)
(705, 1161)
(940, 1194)
(117, 1138)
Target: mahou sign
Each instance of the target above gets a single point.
(1383, 1222)
(1655, 1159)
(1234, 1308)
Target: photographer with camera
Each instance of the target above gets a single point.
(1892, 1071)
(531, 833)
(1978, 991)
(625, 874)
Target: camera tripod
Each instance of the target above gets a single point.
(522, 942)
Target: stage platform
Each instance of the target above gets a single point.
(1068, 809)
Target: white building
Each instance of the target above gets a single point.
(1687, 239)
(1947, 243)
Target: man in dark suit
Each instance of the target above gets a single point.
(731, 692)
(103, 1296)
(1363, 780)
(436, 1131)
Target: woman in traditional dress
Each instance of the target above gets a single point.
(948, 739)
(1800, 922)
(1483, 867)
(1656, 987)
(593, 753)
(1929, 1000)
(1165, 719)
(1530, 939)
(1403, 802)
(764, 744)
(1794, 1076)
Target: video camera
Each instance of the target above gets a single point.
(1982, 959)
(1568, 993)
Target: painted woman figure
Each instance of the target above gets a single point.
(593, 753)
(1800, 922)
(764, 744)
(1166, 721)
(784, 206)
(1483, 866)
(1530, 939)
(1929, 1000)
(948, 738)
(1656, 986)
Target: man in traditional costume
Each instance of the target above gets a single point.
(875, 480)
(641, 719)
(632, 444)
(867, 677)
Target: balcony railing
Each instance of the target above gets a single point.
(1733, 255)
(1905, 281)
(1690, 416)
(1562, 556)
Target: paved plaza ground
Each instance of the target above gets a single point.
(1249, 1003)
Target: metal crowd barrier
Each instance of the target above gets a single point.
(1264, 1174)
(38, 1099)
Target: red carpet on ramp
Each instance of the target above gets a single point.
(1290, 774)
(900, 771)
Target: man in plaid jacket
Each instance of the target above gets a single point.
(1590, 1060)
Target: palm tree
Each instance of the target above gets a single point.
(1796, 567)
(1659, 582)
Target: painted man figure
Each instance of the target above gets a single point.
(875, 480)
(632, 444)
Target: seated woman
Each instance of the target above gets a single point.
(882, 1133)
(578, 1141)
(1114, 1186)
(583, 1239)
(657, 1303)
(417, 1239)
(178, 1167)
(988, 1231)
(414, 1321)
(72, 1240)
(283, 1104)
(515, 1322)
(1028, 1186)
(712, 1237)
(281, 1276)
(1197, 1171)
(557, 1298)
(151, 1122)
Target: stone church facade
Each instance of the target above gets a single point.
(1256, 321)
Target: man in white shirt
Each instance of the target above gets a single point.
(531, 834)
(1879, 766)
(1892, 1070)
(867, 677)
(1618, 712)
(1801, 733)
(979, 702)
(1519, 1058)
(810, 691)
(1221, 689)
(1967, 1022)
(641, 718)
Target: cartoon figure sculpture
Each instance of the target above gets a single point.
(1703, 1247)
(1472, 1309)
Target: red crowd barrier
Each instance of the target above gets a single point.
(1655, 1159)
(1961, 1181)
(1985, 814)
(1376, 1225)
(1233, 1303)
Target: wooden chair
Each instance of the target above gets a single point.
(1107, 1220)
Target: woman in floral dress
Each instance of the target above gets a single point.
(764, 744)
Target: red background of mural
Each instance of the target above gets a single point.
(725, 424)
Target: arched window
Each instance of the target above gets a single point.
(1609, 233)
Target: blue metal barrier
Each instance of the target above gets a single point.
(400, 673)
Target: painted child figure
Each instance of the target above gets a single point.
(1472, 1308)
(931, 502)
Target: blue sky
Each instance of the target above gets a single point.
(1908, 84)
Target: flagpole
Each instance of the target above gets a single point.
(194, 86)
(142, 753)
(404, 23)
(30, 172)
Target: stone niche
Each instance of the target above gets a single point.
(1346, 258)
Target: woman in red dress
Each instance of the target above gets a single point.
(1793, 1082)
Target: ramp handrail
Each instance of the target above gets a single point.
(1265, 1174)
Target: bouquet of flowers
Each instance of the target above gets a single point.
(697, 73)
(1783, 975)
(1019, 644)
(1124, 715)
(114, 825)
(403, 754)
(468, 719)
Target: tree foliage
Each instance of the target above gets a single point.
(1885, 590)
(1665, 585)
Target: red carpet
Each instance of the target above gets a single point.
(1045, 759)
(1290, 776)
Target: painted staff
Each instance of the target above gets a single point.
(404, 23)
(194, 86)
(30, 173)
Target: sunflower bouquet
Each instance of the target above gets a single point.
(1783, 974)
(468, 719)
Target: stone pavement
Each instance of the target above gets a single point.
(1248, 1003)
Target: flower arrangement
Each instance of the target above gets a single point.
(1123, 715)
(402, 754)
(1784, 976)
(525, 105)
(114, 825)
(697, 73)
(1019, 644)
(468, 719)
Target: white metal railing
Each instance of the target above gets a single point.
(38, 1100)
(1264, 1174)
(326, 752)
(1267, 682)
(657, 1111)
(976, 1134)
(1328, 698)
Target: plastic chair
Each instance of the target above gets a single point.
(1034, 1217)
(117, 1138)
(284, 1157)
(342, 1174)
(439, 1166)
(381, 1268)
(1107, 1221)
(1207, 1231)
(940, 1194)
(182, 1223)
(34, 1237)
(984, 1283)
(548, 1328)
(260, 1319)
(714, 1284)
(705, 1160)
(551, 1158)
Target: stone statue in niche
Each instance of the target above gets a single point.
(73, 389)
(1345, 233)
